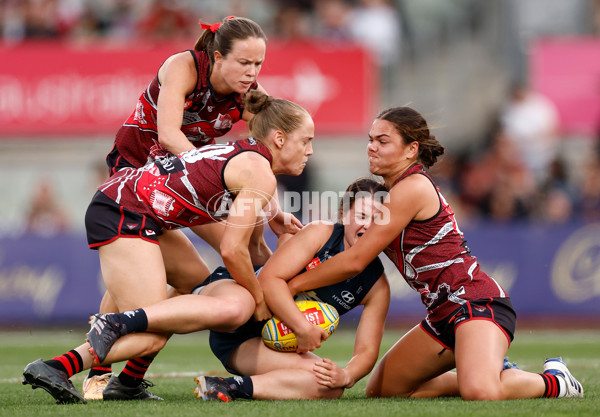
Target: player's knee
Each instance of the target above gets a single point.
(155, 344)
(372, 391)
(233, 315)
(376, 388)
(480, 392)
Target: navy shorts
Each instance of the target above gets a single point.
(217, 275)
(223, 344)
(106, 221)
(497, 310)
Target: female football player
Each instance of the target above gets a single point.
(470, 320)
(269, 374)
(232, 181)
(196, 96)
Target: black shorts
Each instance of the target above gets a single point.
(217, 275)
(106, 221)
(116, 162)
(223, 344)
(497, 310)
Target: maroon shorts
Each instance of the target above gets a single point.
(106, 221)
(497, 310)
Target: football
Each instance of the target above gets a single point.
(277, 336)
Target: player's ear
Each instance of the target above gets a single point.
(218, 57)
(279, 138)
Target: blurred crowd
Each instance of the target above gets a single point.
(525, 172)
(375, 23)
(521, 174)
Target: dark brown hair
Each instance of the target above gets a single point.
(237, 28)
(412, 127)
(272, 113)
(360, 188)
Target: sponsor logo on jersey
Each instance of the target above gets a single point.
(162, 203)
(341, 302)
(223, 122)
(348, 296)
(150, 232)
(313, 264)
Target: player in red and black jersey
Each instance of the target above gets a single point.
(470, 320)
(132, 209)
(196, 96)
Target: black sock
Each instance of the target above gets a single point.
(135, 370)
(552, 386)
(70, 363)
(134, 320)
(241, 387)
(99, 370)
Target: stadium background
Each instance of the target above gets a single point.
(71, 71)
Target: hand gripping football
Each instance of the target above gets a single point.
(278, 336)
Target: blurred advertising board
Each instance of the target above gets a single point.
(567, 71)
(547, 271)
(53, 89)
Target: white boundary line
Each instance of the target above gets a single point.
(80, 376)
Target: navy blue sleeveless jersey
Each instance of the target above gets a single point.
(344, 296)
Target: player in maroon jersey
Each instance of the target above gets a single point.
(470, 321)
(196, 96)
(132, 209)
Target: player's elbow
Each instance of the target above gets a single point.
(166, 137)
(231, 253)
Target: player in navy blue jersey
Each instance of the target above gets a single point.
(232, 182)
(470, 320)
(267, 374)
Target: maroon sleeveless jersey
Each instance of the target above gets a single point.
(204, 117)
(184, 190)
(434, 259)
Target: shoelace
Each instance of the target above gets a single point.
(146, 384)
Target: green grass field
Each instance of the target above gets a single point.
(188, 355)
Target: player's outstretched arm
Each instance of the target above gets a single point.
(366, 345)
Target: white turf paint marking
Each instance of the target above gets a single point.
(149, 376)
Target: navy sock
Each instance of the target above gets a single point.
(241, 387)
(134, 320)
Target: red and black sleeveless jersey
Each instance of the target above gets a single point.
(204, 118)
(434, 259)
(184, 190)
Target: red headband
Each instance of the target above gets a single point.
(215, 26)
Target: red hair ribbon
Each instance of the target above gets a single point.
(215, 26)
